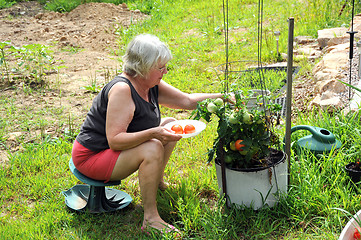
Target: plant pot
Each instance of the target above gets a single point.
(353, 172)
(348, 231)
(255, 187)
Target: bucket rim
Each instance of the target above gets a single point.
(256, 169)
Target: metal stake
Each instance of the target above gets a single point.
(289, 92)
(352, 36)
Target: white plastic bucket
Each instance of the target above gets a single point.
(349, 229)
(256, 188)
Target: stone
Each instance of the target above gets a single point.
(334, 60)
(327, 74)
(355, 103)
(304, 40)
(329, 85)
(338, 40)
(326, 34)
(327, 95)
(330, 104)
(357, 26)
(306, 50)
(14, 135)
(321, 76)
(339, 48)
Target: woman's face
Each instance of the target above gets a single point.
(156, 74)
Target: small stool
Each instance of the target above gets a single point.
(94, 197)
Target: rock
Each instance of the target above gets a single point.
(325, 75)
(306, 50)
(339, 48)
(357, 25)
(329, 85)
(304, 40)
(327, 95)
(124, 6)
(326, 34)
(355, 103)
(338, 40)
(330, 104)
(14, 136)
(336, 60)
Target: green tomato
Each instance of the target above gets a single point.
(243, 152)
(218, 102)
(211, 107)
(228, 159)
(247, 118)
(233, 119)
(232, 146)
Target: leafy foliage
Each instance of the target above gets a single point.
(241, 120)
(28, 63)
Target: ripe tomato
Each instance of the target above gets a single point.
(189, 128)
(356, 235)
(177, 129)
(239, 145)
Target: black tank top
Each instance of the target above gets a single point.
(146, 115)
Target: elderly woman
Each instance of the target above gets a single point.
(123, 131)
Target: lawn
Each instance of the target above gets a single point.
(32, 180)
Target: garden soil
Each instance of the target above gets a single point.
(85, 48)
(85, 44)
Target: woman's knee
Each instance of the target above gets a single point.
(153, 149)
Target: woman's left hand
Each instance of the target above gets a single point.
(165, 135)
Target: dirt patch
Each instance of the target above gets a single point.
(85, 44)
(89, 33)
(92, 26)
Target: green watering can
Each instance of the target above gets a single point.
(321, 140)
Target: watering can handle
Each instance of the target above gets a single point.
(321, 134)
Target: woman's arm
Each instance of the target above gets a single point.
(120, 114)
(172, 97)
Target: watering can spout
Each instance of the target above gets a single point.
(320, 141)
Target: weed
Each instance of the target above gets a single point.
(29, 63)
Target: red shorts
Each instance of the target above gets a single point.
(96, 165)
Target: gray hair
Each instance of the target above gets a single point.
(143, 53)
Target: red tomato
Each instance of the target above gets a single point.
(177, 129)
(356, 235)
(239, 145)
(189, 128)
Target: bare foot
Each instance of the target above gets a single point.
(162, 227)
(163, 185)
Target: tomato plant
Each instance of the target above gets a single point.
(247, 121)
(177, 129)
(189, 128)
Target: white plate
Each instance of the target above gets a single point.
(199, 126)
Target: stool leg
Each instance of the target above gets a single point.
(98, 201)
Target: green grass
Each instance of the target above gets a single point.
(31, 203)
